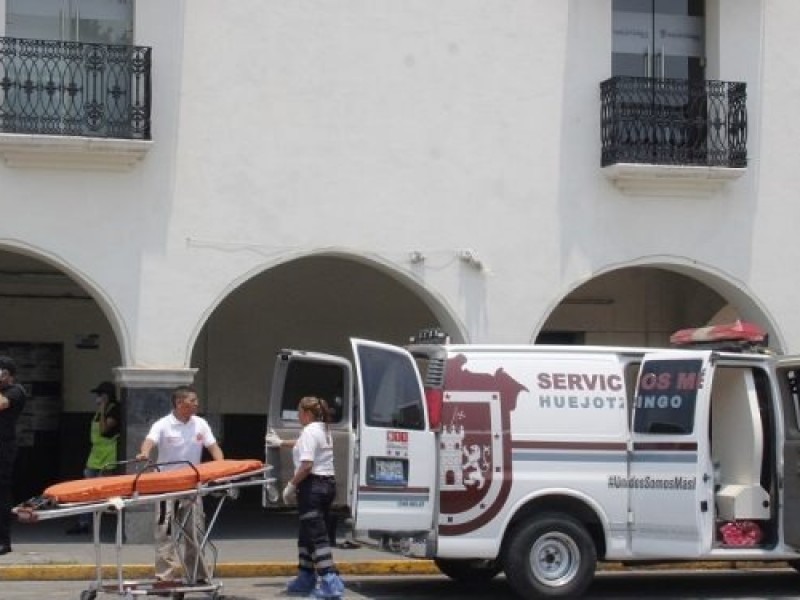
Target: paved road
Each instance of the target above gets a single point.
(762, 584)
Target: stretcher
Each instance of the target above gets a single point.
(184, 483)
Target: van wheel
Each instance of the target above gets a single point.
(468, 571)
(551, 556)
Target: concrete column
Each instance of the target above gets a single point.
(146, 397)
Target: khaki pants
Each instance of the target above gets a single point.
(180, 524)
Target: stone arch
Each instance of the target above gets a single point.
(309, 301)
(107, 306)
(445, 315)
(67, 335)
(660, 294)
(312, 301)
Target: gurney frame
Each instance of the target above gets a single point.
(222, 489)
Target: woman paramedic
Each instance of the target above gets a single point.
(313, 487)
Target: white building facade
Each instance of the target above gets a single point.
(315, 170)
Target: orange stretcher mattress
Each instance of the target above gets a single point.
(155, 482)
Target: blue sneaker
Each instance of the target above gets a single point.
(330, 586)
(304, 583)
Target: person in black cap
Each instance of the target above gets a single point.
(12, 401)
(103, 433)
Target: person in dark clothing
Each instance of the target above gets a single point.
(12, 401)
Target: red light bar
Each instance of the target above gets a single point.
(434, 398)
(739, 331)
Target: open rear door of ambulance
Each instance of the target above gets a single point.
(395, 493)
(297, 374)
(788, 373)
(670, 483)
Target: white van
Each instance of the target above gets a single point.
(539, 461)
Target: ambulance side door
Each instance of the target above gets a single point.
(395, 489)
(670, 484)
(788, 372)
(297, 374)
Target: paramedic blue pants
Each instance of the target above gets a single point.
(315, 495)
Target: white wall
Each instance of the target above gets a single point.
(381, 127)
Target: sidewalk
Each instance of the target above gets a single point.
(249, 543)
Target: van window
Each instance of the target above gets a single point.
(666, 395)
(307, 378)
(792, 383)
(392, 395)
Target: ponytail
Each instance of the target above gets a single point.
(317, 407)
(320, 411)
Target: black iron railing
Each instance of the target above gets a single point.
(74, 89)
(673, 122)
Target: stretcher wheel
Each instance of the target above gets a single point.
(88, 594)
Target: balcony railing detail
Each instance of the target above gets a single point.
(673, 122)
(74, 89)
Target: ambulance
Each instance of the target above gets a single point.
(540, 461)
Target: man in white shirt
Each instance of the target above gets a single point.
(180, 438)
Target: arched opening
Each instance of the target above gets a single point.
(644, 305)
(64, 344)
(313, 303)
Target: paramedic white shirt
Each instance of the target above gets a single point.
(314, 444)
(178, 441)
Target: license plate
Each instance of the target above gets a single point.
(389, 471)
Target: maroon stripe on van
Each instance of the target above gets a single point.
(542, 445)
(394, 489)
(673, 446)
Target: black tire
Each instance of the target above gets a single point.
(468, 571)
(88, 594)
(551, 556)
(795, 564)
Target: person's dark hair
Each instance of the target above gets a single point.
(106, 388)
(317, 407)
(7, 364)
(181, 392)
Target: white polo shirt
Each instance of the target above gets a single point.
(178, 441)
(316, 445)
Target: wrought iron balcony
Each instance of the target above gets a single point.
(673, 122)
(74, 89)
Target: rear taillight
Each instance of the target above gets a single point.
(434, 398)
